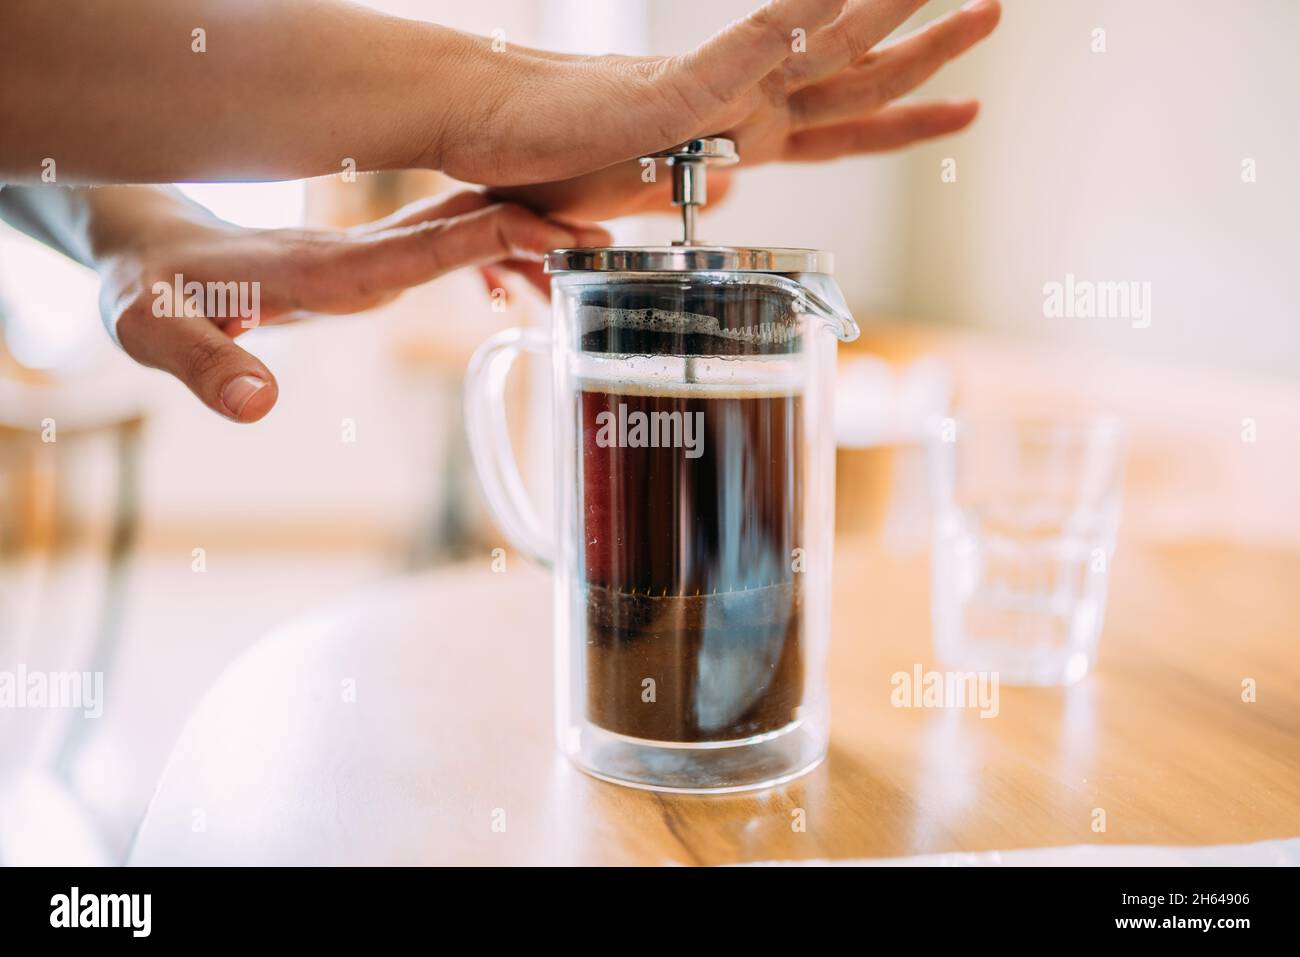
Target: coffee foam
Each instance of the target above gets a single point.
(692, 390)
(670, 322)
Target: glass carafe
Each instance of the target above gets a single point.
(694, 476)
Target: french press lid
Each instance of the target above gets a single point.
(690, 299)
(689, 163)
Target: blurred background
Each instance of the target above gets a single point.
(1150, 142)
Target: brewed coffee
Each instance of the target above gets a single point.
(692, 503)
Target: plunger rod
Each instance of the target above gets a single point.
(690, 190)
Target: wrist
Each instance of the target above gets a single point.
(424, 95)
(471, 83)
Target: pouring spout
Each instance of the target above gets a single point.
(817, 295)
(834, 312)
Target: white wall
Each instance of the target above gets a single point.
(1117, 166)
(1122, 165)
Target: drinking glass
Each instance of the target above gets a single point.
(1025, 517)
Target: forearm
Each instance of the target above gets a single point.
(91, 225)
(116, 91)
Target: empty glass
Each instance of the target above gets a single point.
(1026, 513)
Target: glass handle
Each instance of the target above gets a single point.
(489, 439)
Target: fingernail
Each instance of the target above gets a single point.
(238, 391)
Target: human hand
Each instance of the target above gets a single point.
(832, 100)
(273, 276)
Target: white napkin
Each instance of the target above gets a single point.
(1282, 853)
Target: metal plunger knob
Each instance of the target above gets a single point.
(689, 163)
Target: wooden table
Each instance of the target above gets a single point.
(400, 726)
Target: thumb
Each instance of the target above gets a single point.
(228, 380)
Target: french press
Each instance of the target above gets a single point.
(694, 476)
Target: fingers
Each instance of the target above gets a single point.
(614, 191)
(726, 70)
(534, 273)
(895, 70)
(586, 234)
(441, 206)
(889, 129)
(494, 278)
(859, 27)
(352, 274)
(226, 379)
(298, 272)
